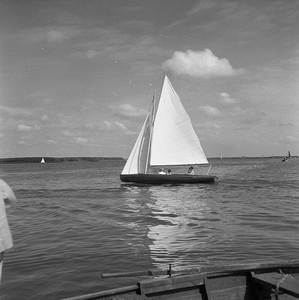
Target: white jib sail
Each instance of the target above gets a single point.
(174, 141)
(137, 160)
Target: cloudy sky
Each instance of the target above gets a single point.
(77, 76)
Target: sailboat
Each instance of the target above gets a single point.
(286, 158)
(167, 139)
(42, 161)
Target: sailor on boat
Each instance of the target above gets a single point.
(169, 172)
(161, 172)
(190, 171)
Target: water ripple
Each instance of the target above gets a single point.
(74, 219)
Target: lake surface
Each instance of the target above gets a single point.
(74, 221)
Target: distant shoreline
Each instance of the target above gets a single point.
(253, 157)
(57, 159)
(99, 159)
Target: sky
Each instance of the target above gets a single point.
(77, 76)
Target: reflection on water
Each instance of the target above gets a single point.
(178, 227)
(176, 219)
(252, 205)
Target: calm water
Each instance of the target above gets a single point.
(74, 221)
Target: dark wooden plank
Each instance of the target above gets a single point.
(236, 293)
(127, 274)
(221, 282)
(207, 287)
(98, 295)
(257, 293)
(181, 294)
(211, 270)
(233, 286)
(246, 267)
(286, 283)
(230, 269)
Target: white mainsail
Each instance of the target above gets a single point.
(169, 140)
(174, 140)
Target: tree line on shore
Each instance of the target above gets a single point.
(57, 159)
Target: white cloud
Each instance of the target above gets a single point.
(131, 132)
(54, 35)
(80, 140)
(38, 34)
(24, 128)
(112, 125)
(289, 139)
(210, 110)
(108, 125)
(226, 98)
(120, 125)
(88, 125)
(16, 111)
(66, 133)
(47, 100)
(91, 54)
(44, 117)
(50, 142)
(200, 64)
(202, 6)
(128, 111)
(279, 123)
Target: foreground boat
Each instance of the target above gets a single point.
(167, 140)
(241, 282)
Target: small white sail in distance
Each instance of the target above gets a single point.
(42, 161)
(168, 140)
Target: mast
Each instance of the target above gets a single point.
(151, 134)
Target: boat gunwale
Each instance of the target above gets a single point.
(192, 277)
(153, 178)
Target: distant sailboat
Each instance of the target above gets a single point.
(166, 139)
(42, 161)
(286, 158)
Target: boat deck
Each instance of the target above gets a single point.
(254, 282)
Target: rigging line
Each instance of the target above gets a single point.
(209, 169)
